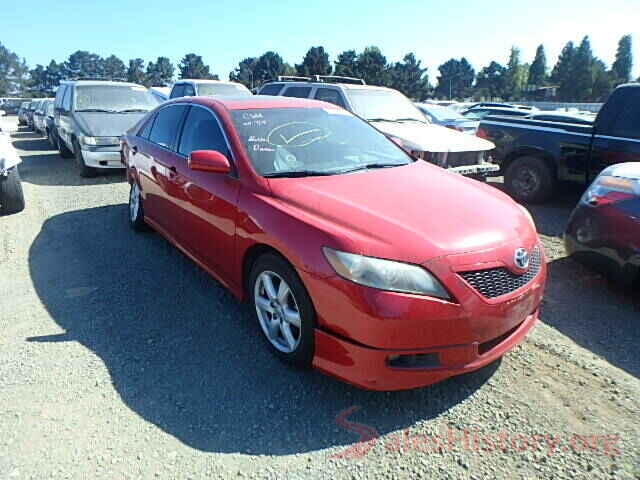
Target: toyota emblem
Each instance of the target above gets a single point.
(521, 258)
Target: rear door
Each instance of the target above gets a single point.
(208, 200)
(162, 159)
(617, 138)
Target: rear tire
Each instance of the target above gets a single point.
(11, 195)
(530, 180)
(83, 170)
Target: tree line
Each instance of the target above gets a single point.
(577, 76)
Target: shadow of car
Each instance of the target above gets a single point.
(182, 354)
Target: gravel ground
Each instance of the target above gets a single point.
(119, 358)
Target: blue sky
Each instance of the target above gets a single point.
(224, 32)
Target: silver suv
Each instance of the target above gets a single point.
(207, 88)
(395, 115)
(91, 116)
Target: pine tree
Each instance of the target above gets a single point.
(192, 66)
(538, 69)
(561, 74)
(135, 72)
(516, 76)
(346, 65)
(410, 78)
(621, 68)
(315, 62)
(114, 68)
(491, 81)
(581, 81)
(372, 65)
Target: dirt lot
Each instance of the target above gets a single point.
(119, 358)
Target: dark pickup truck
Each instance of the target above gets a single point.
(534, 156)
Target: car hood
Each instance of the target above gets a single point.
(434, 138)
(100, 124)
(414, 213)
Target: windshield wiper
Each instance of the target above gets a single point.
(395, 120)
(371, 166)
(132, 110)
(298, 173)
(100, 110)
(409, 120)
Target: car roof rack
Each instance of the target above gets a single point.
(338, 79)
(293, 78)
(96, 79)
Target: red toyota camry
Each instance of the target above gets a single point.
(384, 271)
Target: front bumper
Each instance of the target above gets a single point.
(369, 368)
(359, 328)
(102, 158)
(480, 170)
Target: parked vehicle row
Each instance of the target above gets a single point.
(604, 229)
(536, 155)
(394, 114)
(11, 195)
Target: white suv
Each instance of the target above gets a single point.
(395, 115)
(207, 88)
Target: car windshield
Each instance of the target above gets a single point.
(114, 99)
(313, 141)
(442, 114)
(225, 89)
(378, 104)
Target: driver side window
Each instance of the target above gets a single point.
(202, 132)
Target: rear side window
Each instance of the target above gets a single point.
(202, 132)
(66, 100)
(271, 89)
(166, 126)
(299, 92)
(330, 95)
(59, 95)
(146, 129)
(627, 124)
(189, 91)
(177, 91)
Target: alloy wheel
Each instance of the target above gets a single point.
(278, 311)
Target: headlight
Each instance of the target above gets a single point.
(99, 141)
(384, 274)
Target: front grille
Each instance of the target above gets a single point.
(462, 159)
(493, 282)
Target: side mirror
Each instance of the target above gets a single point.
(209, 161)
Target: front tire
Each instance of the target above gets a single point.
(64, 151)
(530, 180)
(11, 195)
(283, 310)
(83, 170)
(136, 210)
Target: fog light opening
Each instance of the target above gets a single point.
(417, 360)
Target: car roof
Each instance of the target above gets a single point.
(257, 102)
(99, 82)
(204, 80)
(348, 86)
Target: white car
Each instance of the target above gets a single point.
(395, 115)
(208, 88)
(11, 196)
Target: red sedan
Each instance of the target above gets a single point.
(384, 271)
